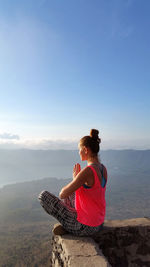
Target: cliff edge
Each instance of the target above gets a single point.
(121, 243)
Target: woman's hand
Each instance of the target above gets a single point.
(79, 178)
(76, 170)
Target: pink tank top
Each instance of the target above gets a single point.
(90, 203)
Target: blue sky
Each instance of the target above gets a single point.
(69, 66)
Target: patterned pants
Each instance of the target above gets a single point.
(65, 213)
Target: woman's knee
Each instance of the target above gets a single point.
(43, 195)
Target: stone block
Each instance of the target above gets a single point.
(79, 246)
(93, 261)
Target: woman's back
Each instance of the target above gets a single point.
(90, 201)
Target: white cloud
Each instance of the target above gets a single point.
(9, 136)
(39, 144)
(126, 144)
(46, 144)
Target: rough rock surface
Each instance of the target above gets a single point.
(72, 251)
(121, 243)
(126, 242)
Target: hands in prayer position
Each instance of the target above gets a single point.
(76, 170)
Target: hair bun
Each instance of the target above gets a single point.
(94, 134)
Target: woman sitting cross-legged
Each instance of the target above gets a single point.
(81, 207)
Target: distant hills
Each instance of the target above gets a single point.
(25, 165)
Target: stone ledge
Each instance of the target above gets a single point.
(75, 246)
(127, 223)
(121, 243)
(73, 251)
(93, 261)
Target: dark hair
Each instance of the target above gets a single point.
(92, 141)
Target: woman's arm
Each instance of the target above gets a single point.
(77, 182)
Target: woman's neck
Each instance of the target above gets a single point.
(93, 160)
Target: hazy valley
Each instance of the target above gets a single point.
(26, 165)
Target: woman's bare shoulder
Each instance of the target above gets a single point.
(87, 170)
(85, 174)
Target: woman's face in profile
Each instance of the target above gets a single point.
(82, 152)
